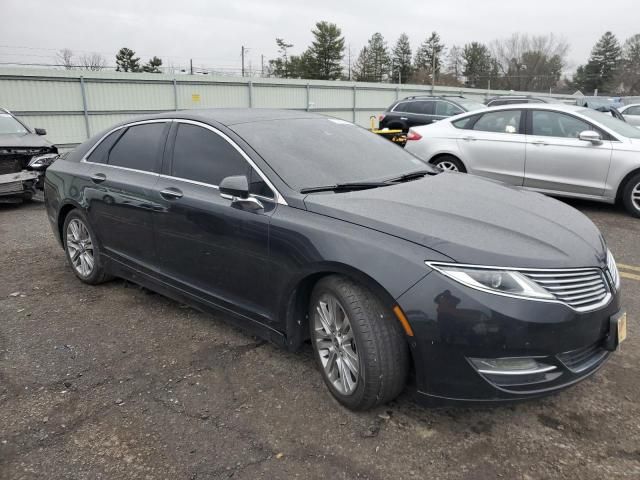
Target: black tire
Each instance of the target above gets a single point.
(443, 160)
(380, 343)
(631, 188)
(98, 273)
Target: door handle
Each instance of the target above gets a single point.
(539, 142)
(404, 118)
(469, 139)
(171, 193)
(98, 177)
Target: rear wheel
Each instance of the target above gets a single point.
(449, 162)
(631, 195)
(358, 345)
(82, 250)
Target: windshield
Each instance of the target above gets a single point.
(470, 105)
(10, 126)
(314, 152)
(618, 126)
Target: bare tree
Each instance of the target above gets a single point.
(93, 61)
(530, 62)
(65, 58)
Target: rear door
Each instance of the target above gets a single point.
(558, 161)
(420, 112)
(124, 170)
(444, 109)
(493, 145)
(210, 247)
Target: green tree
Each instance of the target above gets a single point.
(126, 61)
(478, 64)
(401, 65)
(326, 51)
(373, 62)
(153, 65)
(280, 66)
(429, 55)
(602, 70)
(630, 75)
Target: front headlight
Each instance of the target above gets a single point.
(40, 161)
(492, 280)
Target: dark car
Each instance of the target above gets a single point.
(24, 156)
(423, 110)
(517, 99)
(300, 226)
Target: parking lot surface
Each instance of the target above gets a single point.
(116, 382)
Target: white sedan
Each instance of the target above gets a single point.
(560, 150)
(631, 114)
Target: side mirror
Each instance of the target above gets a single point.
(40, 131)
(590, 136)
(237, 186)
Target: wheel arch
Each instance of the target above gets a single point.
(440, 155)
(624, 182)
(294, 308)
(64, 211)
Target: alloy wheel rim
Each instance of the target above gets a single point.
(80, 247)
(635, 196)
(447, 165)
(336, 344)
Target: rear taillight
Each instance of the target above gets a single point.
(413, 135)
(380, 118)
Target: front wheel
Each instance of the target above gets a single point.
(449, 162)
(631, 195)
(358, 344)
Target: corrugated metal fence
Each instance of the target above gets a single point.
(74, 105)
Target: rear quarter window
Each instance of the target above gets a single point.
(465, 123)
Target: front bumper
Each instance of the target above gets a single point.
(19, 184)
(453, 323)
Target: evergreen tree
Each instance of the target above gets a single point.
(126, 61)
(602, 69)
(401, 60)
(280, 66)
(630, 75)
(430, 48)
(478, 65)
(326, 51)
(374, 62)
(153, 65)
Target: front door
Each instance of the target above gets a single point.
(494, 146)
(558, 161)
(208, 246)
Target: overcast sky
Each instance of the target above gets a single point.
(212, 32)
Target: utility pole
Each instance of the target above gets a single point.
(433, 70)
(349, 61)
(262, 65)
(242, 55)
(191, 66)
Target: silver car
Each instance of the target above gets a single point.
(631, 114)
(560, 150)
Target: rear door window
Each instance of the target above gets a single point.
(421, 107)
(202, 155)
(633, 110)
(401, 107)
(447, 109)
(140, 147)
(505, 121)
(100, 153)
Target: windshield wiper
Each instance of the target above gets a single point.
(410, 176)
(345, 187)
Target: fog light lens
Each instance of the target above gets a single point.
(510, 366)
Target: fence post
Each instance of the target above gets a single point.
(308, 96)
(84, 107)
(397, 93)
(175, 94)
(250, 85)
(354, 102)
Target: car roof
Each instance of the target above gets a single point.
(230, 116)
(561, 107)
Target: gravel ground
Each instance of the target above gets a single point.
(116, 382)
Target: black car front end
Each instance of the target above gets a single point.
(476, 346)
(22, 171)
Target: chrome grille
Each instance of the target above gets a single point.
(583, 289)
(583, 358)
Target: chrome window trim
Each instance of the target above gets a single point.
(412, 113)
(278, 198)
(531, 371)
(605, 301)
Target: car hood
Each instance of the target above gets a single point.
(29, 140)
(473, 220)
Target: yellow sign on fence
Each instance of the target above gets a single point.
(195, 97)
